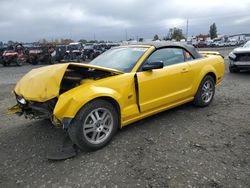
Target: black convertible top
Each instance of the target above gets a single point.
(191, 49)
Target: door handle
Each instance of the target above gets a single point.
(184, 70)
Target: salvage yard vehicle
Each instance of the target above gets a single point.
(88, 51)
(239, 58)
(201, 44)
(35, 55)
(1, 54)
(41, 55)
(121, 86)
(74, 52)
(14, 55)
(60, 52)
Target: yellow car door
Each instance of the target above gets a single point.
(170, 84)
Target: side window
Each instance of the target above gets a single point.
(168, 56)
(188, 57)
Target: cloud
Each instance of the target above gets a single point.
(30, 20)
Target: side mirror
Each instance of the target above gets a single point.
(152, 65)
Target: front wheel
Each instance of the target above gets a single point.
(233, 70)
(94, 125)
(19, 62)
(206, 91)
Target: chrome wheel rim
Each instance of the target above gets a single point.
(207, 91)
(98, 125)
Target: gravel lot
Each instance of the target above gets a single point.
(182, 147)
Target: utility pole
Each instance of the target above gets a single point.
(126, 34)
(187, 30)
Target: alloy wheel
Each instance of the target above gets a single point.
(98, 125)
(207, 91)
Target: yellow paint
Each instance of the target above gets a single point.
(43, 84)
(159, 89)
(206, 53)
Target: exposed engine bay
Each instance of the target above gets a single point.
(73, 76)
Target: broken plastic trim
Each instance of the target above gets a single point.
(66, 122)
(36, 110)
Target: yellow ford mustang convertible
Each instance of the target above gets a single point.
(123, 85)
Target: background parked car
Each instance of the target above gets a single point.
(60, 52)
(13, 55)
(41, 55)
(1, 54)
(92, 51)
(239, 58)
(74, 52)
(201, 44)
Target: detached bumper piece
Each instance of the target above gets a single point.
(15, 110)
(67, 151)
(62, 154)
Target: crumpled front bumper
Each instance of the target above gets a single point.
(33, 109)
(15, 110)
(39, 110)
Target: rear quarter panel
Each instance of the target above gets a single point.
(203, 66)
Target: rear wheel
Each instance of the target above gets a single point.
(205, 93)
(94, 126)
(5, 64)
(34, 61)
(19, 62)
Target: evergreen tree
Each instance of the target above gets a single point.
(156, 37)
(213, 31)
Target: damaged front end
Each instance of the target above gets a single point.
(38, 91)
(33, 109)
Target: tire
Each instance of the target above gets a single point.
(205, 93)
(34, 62)
(84, 131)
(233, 70)
(19, 62)
(52, 61)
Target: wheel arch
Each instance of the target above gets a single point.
(69, 105)
(206, 72)
(112, 101)
(213, 75)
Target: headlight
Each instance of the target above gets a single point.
(232, 55)
(21, 100)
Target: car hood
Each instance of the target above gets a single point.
(241, 50)
(43, 83)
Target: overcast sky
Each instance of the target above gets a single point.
(31, 20)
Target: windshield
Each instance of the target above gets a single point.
(247, 45)
(122, 59)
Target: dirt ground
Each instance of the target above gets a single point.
(183, 147)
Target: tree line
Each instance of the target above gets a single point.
(177, 34)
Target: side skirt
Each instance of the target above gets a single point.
(155, 111)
